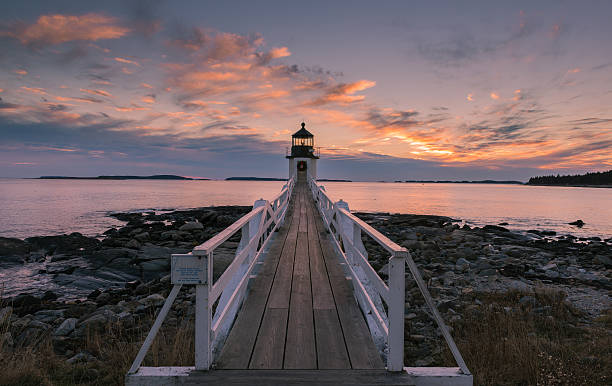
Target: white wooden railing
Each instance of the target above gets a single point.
(196, 268)
(386, 323)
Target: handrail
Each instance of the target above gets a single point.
(257, 226)
(370, 289)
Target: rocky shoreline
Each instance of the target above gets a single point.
(122, 278)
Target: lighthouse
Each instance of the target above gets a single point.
(302, 158)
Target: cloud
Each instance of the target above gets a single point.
(494, 96)
(127, 61)
(57, 28)
(34, 90)
(344, 93)
(97, 92)
(148, 98)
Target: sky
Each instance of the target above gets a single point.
(391, 90)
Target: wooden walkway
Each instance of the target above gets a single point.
(300, 312)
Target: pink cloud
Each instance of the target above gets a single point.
(97, 92)
(35, 90)
(127, 61)
(56, 29)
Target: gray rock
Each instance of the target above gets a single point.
(158, 265)
(134, 244)
(549, 266)
(411, 244)
(465, 252)
(462, 264)
(153, 300)
(49, 316)
(171, 235)
(66, 327)
(488, 272)
(191, 226)
(142, 236)
(80, 358)
(126, 318)
(602, 259)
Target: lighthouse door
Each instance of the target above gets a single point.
(301, 169)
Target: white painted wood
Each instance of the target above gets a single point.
(343, 225)
(154, 329)
(231, 285)
(397, 284)
(221, 237)
(437, 317)
(438, 376)
(202, 328)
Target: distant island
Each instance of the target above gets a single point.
(601, 179)
(254, 179)
(277, 179)
(464, 182)
(155, 177)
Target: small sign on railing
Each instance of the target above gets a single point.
(189, 269)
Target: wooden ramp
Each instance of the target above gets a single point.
(300, 312)
(300, 322)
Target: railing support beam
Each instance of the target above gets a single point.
(397, 287)
(203, 320)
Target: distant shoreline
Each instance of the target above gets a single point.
(572, 186)
(155, 177)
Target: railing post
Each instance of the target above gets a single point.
(203, 320)
(397, 287)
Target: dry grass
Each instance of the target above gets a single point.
(549, 344)
(114, 349)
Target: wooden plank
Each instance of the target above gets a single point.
(240, 343)
(281, 288)
(361, 349)
(269, 348)
(322, 297)
(300, 351)
(331, 349)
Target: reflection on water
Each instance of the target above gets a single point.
(45, 207)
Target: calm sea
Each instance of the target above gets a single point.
(49, 207)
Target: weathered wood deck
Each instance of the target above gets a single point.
(300, 312)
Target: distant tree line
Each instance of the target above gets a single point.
(597, 178)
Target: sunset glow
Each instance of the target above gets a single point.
(203, 95)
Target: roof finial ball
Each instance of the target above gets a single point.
(303, 125)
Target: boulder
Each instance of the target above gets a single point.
(64, 243)
(66, 327)
(142, 236)
(153, 300)
(134, 244)
(49, 316)
(81, 358)
(12, 246)
(578, 223)
(462, 264)
(191, 226)
(604, 260)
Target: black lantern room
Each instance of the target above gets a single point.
(302, 144)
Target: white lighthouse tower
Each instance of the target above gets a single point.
(302, 159)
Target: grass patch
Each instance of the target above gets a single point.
(541, 342)
(113, 347)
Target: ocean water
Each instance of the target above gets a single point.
(50, 207)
